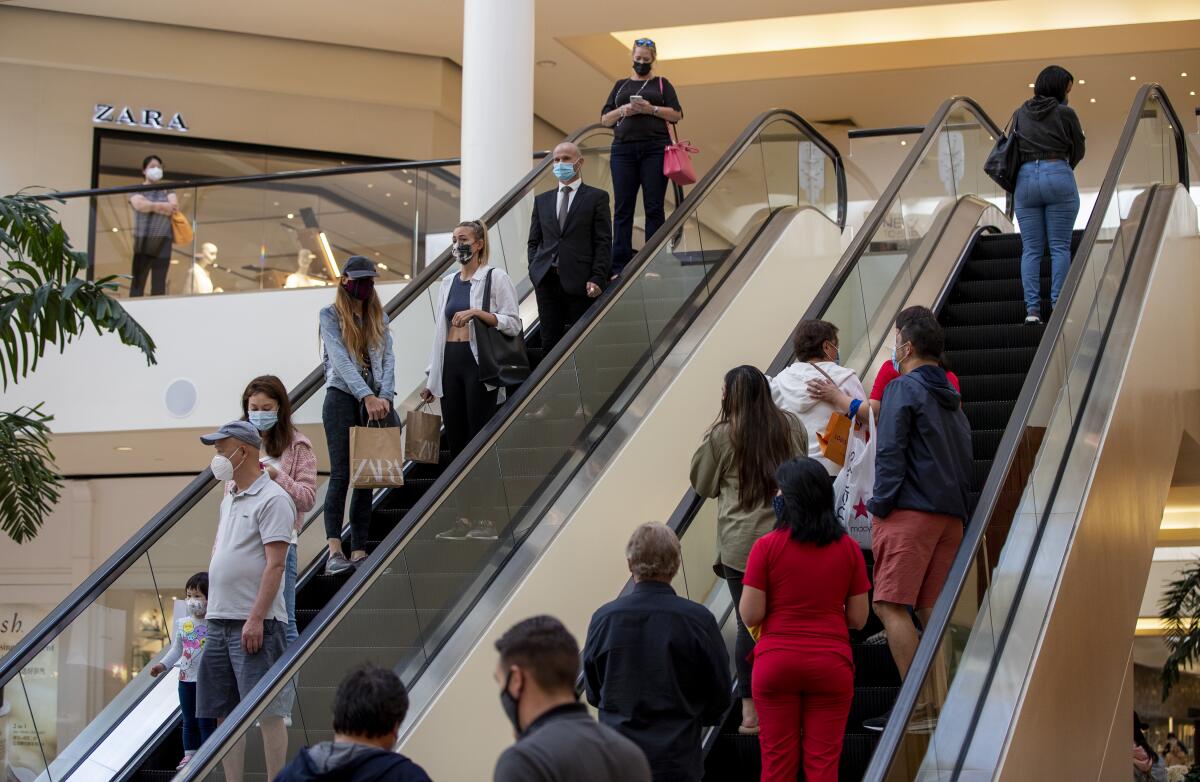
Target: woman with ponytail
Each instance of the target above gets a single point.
(360, 376)
(736, 464)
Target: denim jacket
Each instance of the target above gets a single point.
(342, 371)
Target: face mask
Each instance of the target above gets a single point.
(264, 419)
(154, 173)
(197, 606)
(896, 362)
(510, 705)
(837, 355)
(642, 68)
(361, 289)
(564, 172)
(777, 504)
(222, 468)
(463, 253)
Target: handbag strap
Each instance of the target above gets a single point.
(823, 372)
(487, 291)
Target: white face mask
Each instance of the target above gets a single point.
(197, 606)
(222, 468)
(154, 173)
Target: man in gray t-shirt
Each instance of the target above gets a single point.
(557, 740)
(246, 613)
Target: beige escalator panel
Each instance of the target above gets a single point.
(463, 731)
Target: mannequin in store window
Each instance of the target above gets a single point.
(301, 278)
(200, 275)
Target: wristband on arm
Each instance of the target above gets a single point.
(854, 405)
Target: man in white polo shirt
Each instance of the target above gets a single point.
(246, 612)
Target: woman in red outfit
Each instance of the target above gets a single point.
(805, 586)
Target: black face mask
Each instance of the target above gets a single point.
(463, 253)
(642, 68)
(510, 705)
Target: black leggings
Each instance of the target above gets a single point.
(153, 267)
(743, 644)
(467, 404)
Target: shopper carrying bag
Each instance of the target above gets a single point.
(853, 485)
(422, 436)
(376, 457)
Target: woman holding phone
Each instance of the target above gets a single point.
(638, 110)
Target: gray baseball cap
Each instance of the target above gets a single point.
(358, 266)
(238, 430)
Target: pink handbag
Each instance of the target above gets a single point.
(677, 160)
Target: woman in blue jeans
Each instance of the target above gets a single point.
(638, 110)
(1050, 143)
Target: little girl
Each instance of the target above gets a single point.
(186, 647)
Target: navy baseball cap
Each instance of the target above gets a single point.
(358, 266)
(238, 430)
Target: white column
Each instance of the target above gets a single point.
(497, 100)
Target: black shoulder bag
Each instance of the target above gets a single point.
(502, 359)
(1004, 162)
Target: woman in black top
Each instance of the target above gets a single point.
(1046, 200)
(152, 232)
(638, 109)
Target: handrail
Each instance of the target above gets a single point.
(691, 502)
(1010, 442)
(245, 179)
(322, 624)
(124, 557)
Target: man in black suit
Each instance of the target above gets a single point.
(570, 246)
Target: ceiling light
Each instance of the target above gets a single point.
(382, 265)
(1193, 92)
(123, 448)
(408, 276)
(903, 143)
(276, 203)
(406, 203)
(369, 185)
(1031, 85)
(116, 230)
(1184, 74)
(1091, 100)
(1133, 78)
(546, 63)
(408, 181)
(290, 215)
(388, 195)
(1083, 81)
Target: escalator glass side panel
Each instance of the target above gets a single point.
(1021, 494)
(417, 588)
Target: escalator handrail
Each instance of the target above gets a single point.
(137, 545)
(255, 179)
(1010, 443)
(691, 502)
(299, 652)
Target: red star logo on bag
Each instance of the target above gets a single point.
(860, 509)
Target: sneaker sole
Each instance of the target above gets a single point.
(483, 537)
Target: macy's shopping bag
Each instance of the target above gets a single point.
(854, 484)
(376, 457)
(422, 436)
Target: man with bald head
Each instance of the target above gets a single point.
(570, 246)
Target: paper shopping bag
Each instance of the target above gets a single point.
(376, 457)
(422, 436)
(834, 439)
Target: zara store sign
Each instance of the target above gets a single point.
(105, 113)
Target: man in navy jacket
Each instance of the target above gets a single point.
(922, 486)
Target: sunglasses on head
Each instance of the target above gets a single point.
(644, 42)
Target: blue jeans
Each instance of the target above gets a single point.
(636, 164)
(1046, 203)
(195, 731)
(292, 632)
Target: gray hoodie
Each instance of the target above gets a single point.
(1046, 127)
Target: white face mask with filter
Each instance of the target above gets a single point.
(154, 173)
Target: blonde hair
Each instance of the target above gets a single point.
(649, 47)
(480, 230)
(361, 322)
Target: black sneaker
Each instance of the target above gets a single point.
(457, 532)
(483, 530)
(877, 724)
(337, 563)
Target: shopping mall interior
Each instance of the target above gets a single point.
(838, 152)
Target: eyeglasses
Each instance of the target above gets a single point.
(644, 42)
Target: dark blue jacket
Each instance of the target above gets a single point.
(923, 454)
(655, 666)
(332, 761)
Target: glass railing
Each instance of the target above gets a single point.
(84, 667)
(944, 163)
(926, 740)
(401, 607)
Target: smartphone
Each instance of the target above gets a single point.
(633, 98)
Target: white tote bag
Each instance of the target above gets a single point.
(854, 484)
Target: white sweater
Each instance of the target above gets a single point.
(789, 389)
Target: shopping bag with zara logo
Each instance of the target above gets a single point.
(853, 486)
(376, 457)
(423, 436)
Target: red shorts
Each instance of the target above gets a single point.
(913, 553)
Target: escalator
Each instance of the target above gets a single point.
(410, 605)
(1012, 376)
(115, 728)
